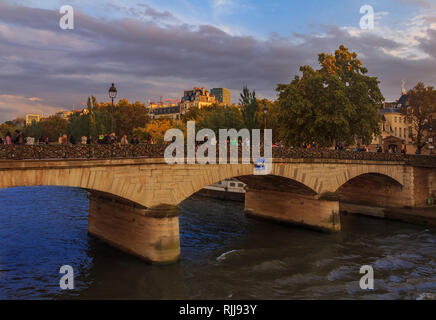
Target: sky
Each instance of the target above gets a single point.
(162, 47)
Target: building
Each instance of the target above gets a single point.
(394, 127)
(222, 95)
(32, 117)
(198, 97)
(164, 111)
(63, 114)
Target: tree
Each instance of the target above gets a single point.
(272, 116)
(6, 127)
(421, 106)
(249, 109)
(217, 117)
(35, 129)
(193, 114)
(337, 103)
(129, 116)
(54, 127)
(157, 130)
(78, 125)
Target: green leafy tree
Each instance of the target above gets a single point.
(193, 114)
(35, 129)
(78, 126)
(249, 108)
(54, 127)
(271, 117)
(337, 103)
(216, 118)
(420, 113)
(6, 127)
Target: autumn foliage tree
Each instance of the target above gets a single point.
(420, 113)
(337, 103)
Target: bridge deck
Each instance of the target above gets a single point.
(71, 152)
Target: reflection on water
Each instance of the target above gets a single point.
(224, 255)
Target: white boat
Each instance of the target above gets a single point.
(229, 189)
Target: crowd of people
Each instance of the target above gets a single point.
(103, 139)
(18, 138)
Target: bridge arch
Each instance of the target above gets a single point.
(278, 180)
(372, 189)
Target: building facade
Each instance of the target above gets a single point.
(198, 98)
(171, 111)
(32, 117)
(395, 130)
(63, 114)
(222, 95)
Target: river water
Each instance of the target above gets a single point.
(224, 255)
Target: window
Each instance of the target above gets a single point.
(401, 131)
(395, 119)
(396, 131)
(240, 185)
(232, 184)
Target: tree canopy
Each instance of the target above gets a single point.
(421, 113)
(337, 103)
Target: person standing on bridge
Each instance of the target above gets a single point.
(124, 140)
(8, 138)
(134, 140)
(64, 139)
(113, 138)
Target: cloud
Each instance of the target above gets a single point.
(420, 3)
(12, 106)
(149, 58)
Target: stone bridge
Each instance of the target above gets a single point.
(134, 193)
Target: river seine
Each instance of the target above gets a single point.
(224, 255)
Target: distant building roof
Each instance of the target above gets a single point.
(389, 110)
(402, 102)
(165, 110)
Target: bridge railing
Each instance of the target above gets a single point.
(96, 151)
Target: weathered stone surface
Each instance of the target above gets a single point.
(151, 181)
(134, 230)
(293, 209)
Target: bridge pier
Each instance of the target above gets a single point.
(152, 234)
(290, 208)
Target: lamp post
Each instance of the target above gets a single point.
(265, 111)
(430, 139)
(112, 95)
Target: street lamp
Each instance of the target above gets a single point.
(430, 139)
(112, 95)
(265, 111)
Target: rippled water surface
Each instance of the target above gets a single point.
(224, 255)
